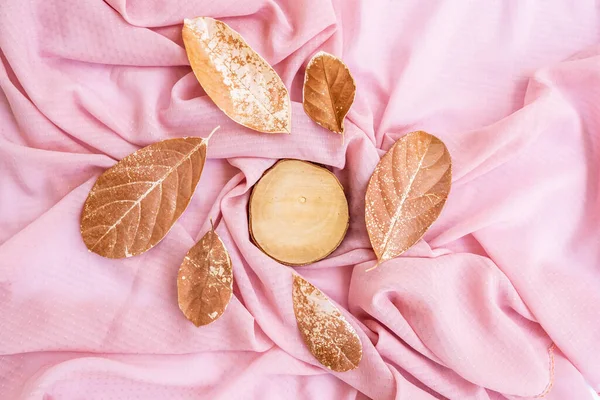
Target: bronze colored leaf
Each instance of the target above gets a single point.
(135, 203)
(325, 331)
(205, 280)
(406, 193)
(237, 79)
(328, 91)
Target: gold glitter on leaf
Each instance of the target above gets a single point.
(406, 193)
(237, 79)
(205, 280)
(134, 204)
(328, 92)
(327, 334)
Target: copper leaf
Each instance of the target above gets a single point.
(326, 333)
(328, 91)
(205, 280)
(135, 203)
(237, 79)
(406, 193)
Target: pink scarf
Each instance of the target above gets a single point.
(501, 299)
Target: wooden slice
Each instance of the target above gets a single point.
(298, 212)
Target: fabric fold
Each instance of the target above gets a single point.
(499, 300)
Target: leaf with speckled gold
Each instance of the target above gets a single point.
(406, 193)
(325, 331)
(205, 280)
(235, 77)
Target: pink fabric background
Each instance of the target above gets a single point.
(511, 267)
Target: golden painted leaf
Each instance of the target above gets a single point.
(205, 280)
(328, 91)
(237, 79)
(135, 203)
(406, 193)
(326, 333)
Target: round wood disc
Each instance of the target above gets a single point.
(298, 212)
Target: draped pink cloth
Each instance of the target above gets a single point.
(501, 299)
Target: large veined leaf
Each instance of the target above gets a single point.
(133, 204)
(406, 193)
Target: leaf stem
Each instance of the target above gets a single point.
(213, 131)
(374, 266)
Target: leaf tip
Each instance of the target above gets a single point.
(297, 278)
(321, 53)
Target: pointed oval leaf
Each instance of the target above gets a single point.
(135, 203)
(237, 79)
(205, 280)
(328, 91)
(325, 331)
(406, 193)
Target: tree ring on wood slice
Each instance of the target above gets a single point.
(298, 213)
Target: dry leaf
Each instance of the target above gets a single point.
(327, 334)
(328, 91)
(135, 203)
(237, 79)
(406, 193)
(205, 280)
